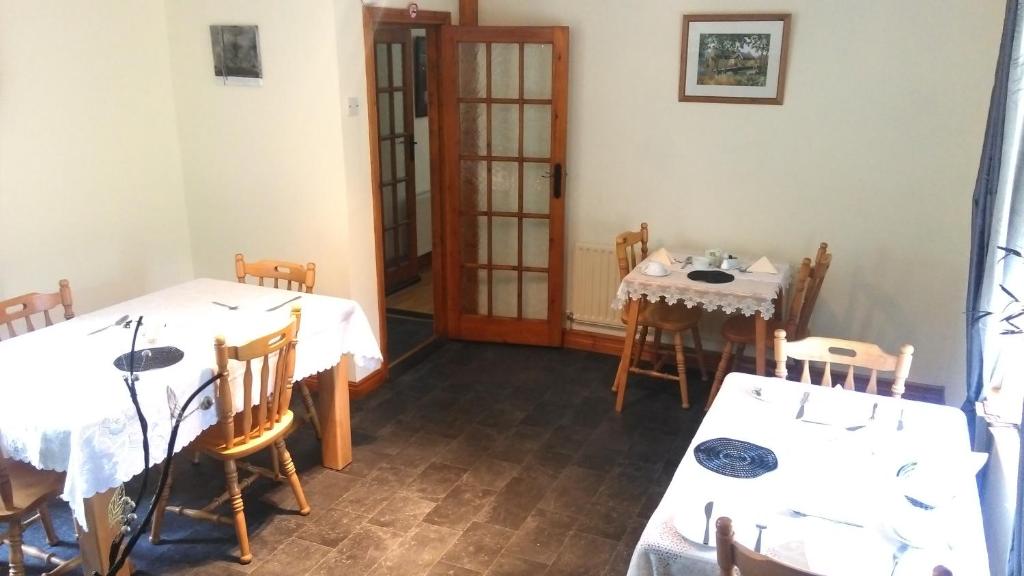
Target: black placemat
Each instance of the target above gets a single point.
(735, 458)
(711, 276)
(150, 358)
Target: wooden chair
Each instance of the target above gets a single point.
(733, 555)
(660, 315)
(24, 492)
(302, 278)
(24, 306)
(847, 353)
(244, 430)
(738, 331)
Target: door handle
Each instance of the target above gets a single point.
(557, 176)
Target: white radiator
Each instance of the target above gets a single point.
(595, 278)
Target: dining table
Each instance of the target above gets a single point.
(66, 406)
(747, 293)
(831, 481)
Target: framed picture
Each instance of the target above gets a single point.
(236, 55)
(734, 58)
(419, 71)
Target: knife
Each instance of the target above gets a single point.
(283, 303)
(803, 402)
(707, 520)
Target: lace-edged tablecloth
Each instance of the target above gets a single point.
(748, 294)
(65, 404)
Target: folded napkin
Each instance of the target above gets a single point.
(661, 256)
(763, 265)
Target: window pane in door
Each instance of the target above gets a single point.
(504, 70)
(535, 295)
(537, 71)
(387, 206)
(389, 249)
(399, 98)
(474, 291)
(386, 174)
(474, 239)
(504, 186)
(474, 185)
(535, 242)
(384, 113)
(536, 187)
(403, 205)
(473, 128)
(504, 130)
(396, 64)
(505, 241)
(400, 147)
(536, 130)
(472, 70)
(403, 240)
(381, 58)
(505, 293)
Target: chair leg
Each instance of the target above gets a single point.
(723, 366)
(640, 347)
(740, 349)
(238, 508)
(289, 470)
(699, 348)
(17, 556)
(307, 401)
(47, 522)
(160, 506)
(684, 393)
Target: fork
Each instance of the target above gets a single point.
(228, 306)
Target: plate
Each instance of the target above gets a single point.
(150, 358)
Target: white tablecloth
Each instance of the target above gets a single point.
(823, 469)
(748, 294)
(66, 408)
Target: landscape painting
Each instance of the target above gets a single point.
(735, 58)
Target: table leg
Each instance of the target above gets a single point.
(335, 417)
(95, 538)
(622, 374)
(760, 343)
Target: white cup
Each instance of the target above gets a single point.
(700, 262)
(654, 269)
(730, 262)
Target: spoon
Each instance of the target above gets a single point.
(899, 425)
(874, 410)
(760, 529)
(228, 306)
(117, 322)
(708, 508)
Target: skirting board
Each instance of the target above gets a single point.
(612, 345)
(366, 385)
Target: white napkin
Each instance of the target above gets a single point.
(661, 256)
(763, 265)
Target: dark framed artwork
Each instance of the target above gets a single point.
(419, 60)
(236, 55)
(734, 58)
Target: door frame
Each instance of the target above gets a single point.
(431, 20)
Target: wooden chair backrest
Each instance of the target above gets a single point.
(796, 296)
(271, 406)
(625, 249)
(732, 554)
(24, 306)
(6, 489)
(822, 261)
(302, 277)
(846, 353)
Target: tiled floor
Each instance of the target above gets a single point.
(484, 459)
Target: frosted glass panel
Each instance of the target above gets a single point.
(403, 205)
(472, 70)
(400, 157)
(535, 242)
(505, 293)
(381, 58)
(473, 128)
(474, 239)
(386, 173)
(505, 241)
(537, 130)
(504, 186)
(474, 185)
(384, 113)
(504, 70)
(399, 98)
(396, 64)
(403, 241)
(535, 295)
(387, 206)
(504, 130)
(536, 187)
(474, 291)
(389, 248)
(537, 71)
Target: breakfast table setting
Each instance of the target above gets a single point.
(75, 416)
(827, 480)
(712, 279)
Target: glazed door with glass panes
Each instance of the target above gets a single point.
(504, 111)
(393, 66)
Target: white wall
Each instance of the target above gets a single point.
(90, 175)
(875, 151)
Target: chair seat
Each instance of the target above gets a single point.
(31, 486)
(740, 329)
(212, 444)
(671, 317)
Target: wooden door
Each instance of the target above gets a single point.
(504, 93)
(393, 80)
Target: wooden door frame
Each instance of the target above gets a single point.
(432, 21)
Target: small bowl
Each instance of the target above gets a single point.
(654, 269)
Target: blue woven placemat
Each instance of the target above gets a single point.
(735, 458)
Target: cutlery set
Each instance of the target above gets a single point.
(271, 309)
